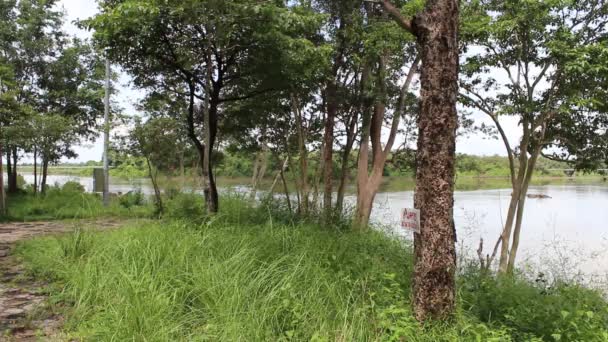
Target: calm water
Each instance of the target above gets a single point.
(566, 232)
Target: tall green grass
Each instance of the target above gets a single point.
(69, 202)
(252, 274)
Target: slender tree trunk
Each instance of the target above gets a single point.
(436, 30)
(2, 192)
(303, 156)
(285, 188)
(520, 210)
(182, 170)
(316, 182)
(328, 149)
(295, 178)
(45, 172)
(212, 194)
(157, 195)
(259, 170)
(35, 170)
(15, 175)
(344, 168)
(11, 173)
(516, 195)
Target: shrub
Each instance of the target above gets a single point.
(73, 187)
(132, 199)
(184, 206)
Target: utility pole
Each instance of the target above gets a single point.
(106, 138)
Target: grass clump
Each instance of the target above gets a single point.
(250, 274)
(69, 202)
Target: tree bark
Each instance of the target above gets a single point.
(344, 168)
(303, 156)
(516, 196)
(153, 177)
(436, 30)
(2, 193)
(328, 149)
(45, 171)
(35, 170)
(259, 170)
(11, 169)
(369, 183)
(285, 187)
(520, 210)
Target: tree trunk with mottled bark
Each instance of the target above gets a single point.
(436, 30)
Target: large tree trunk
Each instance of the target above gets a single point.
(45, 172)
(436, 30)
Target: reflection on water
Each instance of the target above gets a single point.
(568, 230)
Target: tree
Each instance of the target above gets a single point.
(384, 61)
(436, 31)
(542, 50)
(218, 51)
(155, 140)
(53, 134)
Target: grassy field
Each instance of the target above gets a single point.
(261, 274)
(71, 202)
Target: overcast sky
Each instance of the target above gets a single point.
(127, 96)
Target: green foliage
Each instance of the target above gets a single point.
(249, 274)
(536, 311)
(73, 187)
(67, 203)
(132, 199)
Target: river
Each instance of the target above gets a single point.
(564, 235)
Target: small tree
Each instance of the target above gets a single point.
(156, 141)
(541, 50)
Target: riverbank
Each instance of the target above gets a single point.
(389, 183)
(260, 274)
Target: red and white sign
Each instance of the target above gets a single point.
(410, 219)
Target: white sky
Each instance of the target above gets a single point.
(82, 9)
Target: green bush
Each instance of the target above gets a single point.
(73, 187)
(184, 206)
(58, 203)
(132, 199)
(21, 182)
(556, 312)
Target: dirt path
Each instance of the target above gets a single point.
(22, 299)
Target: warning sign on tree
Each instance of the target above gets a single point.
(410, 219)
